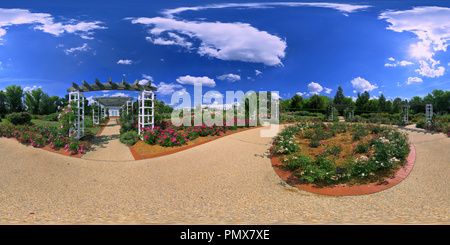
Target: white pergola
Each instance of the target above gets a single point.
(146, 111)
(110, 102)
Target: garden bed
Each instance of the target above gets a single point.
(340, 154)
(143, 150)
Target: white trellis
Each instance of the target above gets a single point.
(146, 112)
(103, 111)
(78, 123)
(130, 110)
(96, 114)
(331, 113)
(351, 114)
(428, 112)
(405, 112)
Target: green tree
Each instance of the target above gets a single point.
(32, 100)
(14, 96)
(3, 101)
(339, 98)
(417, 108)
(397, 105)
(382, 104)
(318, 102)
(297, 102)
(362, 102)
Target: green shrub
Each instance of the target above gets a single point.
(88, 123)
(125, 128)
(51, 117)
(421, 123)
(19, 118)
(129, 138)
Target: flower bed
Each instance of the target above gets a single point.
(440, 126)
(40, 136)
(339, 153)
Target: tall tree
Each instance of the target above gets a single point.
(297, 102)
(382, 103)
(3, 108)
(14, 96)
(397, 105)
(33, 99)
(339, 98)
(318, 102)
(362, 102)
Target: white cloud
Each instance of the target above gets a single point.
(361, 85)
(314, 88)
(398, 63)
(45, 22)
(174, 39)
(301, 94)
(225, 41)
(405, 63)
(346, 8)
(390, 64)
(166, 89)
(427, 71)
(119, 94)
(82, 48)
(275, 96)
(430, 24)
(257, 72)
(229, 77)
(124, 62)
(145, 79)
(205, 81)
(90, 100)
(212, 95)
(414, 80)
(328, 90)
(27, 89)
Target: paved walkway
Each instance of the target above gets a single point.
(107, 146)
(226, 181)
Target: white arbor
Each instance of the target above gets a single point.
(78, 124)
(146, 113)
(146, 110)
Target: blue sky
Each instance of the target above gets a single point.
(398, 48)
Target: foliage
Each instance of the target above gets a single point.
(14, 96)
(17, 118)
(384, 149)
(40, 136)
(129, 138)
(67, 117)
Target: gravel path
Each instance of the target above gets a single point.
(226, 181)
(107, 146)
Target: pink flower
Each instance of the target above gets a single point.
(69, 105)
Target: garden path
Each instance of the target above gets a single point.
(107, 146)
(226, 181)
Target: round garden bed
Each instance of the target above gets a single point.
(342, 158)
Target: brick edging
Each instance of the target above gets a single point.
(353, 190)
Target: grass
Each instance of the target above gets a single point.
(94, 129)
